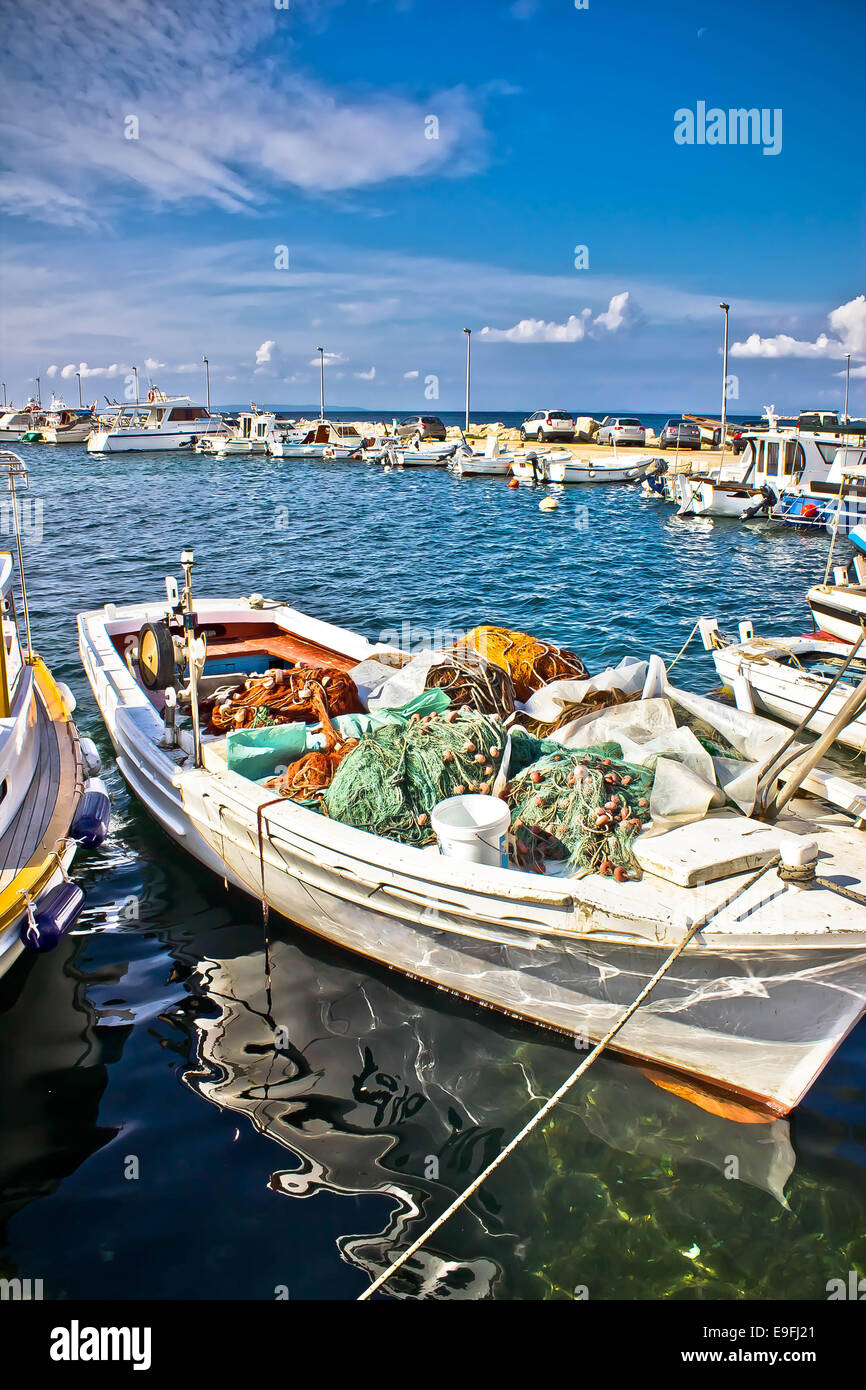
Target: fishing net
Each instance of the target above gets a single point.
(530, 662)
(592, 703)
(390, 783)
(468, 679)
(284, 697)
(581, 805)
(308, 776)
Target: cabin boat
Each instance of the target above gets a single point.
(161, 422)
(14, 423)
(50, 799)
(756, 1004)
(837, 502)
(250, 435)
(64, 425)
(321, 441)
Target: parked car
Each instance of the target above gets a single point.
(739, 434)
(548, 424)
(424, 426)
(620, 429)
(680, 434)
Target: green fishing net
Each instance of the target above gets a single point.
(391, 782)
(583, 805)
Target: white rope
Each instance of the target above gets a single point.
(566, 1086)
(685, 644)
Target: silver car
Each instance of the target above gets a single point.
(620, 429)
(680, 434)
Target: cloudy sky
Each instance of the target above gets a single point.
(254, 179)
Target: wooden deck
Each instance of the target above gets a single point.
(23, 837)
(285, 646)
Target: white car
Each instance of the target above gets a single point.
(620, 429)
(548, 424)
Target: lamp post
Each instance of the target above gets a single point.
(726, 307)
(847, 383)
(4, 395)
(468, 332)
(38, 390)
(207, 378)
(135, 374)
(80, 402)
(321, 352)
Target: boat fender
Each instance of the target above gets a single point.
(69, 699)
(809, 509)
(93, 817)
(90, 757)
(53, 917)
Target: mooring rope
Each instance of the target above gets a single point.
(565, 1087)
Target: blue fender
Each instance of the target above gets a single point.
(54, 916)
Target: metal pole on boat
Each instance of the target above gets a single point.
(38, 390)
(468, 332)
(135, 374)
(187, 559)
(15, 469)
(4, 395)
(207, 377)
(726, 307)
(321, 352)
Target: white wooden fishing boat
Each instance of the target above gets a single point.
(489, 463)
(418, 455)
(14, 423)
(787, 677)
(757, 1002)
(321, 441)
(251, 435)
(47, 806)
(159, 423)
(595, 470)
(64, 425)
(840, 608)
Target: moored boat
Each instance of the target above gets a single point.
(757, 1003)
(48, 807)
(159, 423)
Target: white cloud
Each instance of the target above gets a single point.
(410, 376)
(219, 118)
(615, 313)
(573, 330)
(855, 372)
(184, 368)
(538, 331)
(151, 364)
(263, 353)
(331, 359)
(52, 371)
(71, 370)
(848, 323)
(366, 376)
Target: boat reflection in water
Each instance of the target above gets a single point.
(374, 1092)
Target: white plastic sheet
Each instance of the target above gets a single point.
(547, 703)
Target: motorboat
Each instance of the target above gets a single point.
(321, 441)
(840, 608)
(161, 422)
(561, 466)
(14, 423)
(835, 502)
(251, 434)
(51, 801)
(416, 454)
(490, 462)
(769, 871)
(62, 424)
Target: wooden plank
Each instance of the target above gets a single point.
(286, 646)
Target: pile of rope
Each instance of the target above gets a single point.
(308, 776)
(592, 702)
(530, 662)
(469, 679)
(286, 697)
(390, 783)
(581, 805)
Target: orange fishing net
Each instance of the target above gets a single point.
(530, 662)
(313, 772)
(285, 697)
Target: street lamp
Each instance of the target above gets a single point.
(135, 374)
(726, 307)
(468, 332)
(207, 375)
(4, 395)
(38, 390)
(321, 352)
(80, 402)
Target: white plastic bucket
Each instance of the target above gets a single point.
(473, 828)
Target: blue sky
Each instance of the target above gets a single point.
(307, 128)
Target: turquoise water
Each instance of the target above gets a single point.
(144, 1046)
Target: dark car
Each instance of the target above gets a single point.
(424, 426)
(739, 434)
(680, 434)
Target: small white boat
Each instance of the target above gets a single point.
(61, 424)
(596, 470)
(490, 463)
(787, 677)
(324, 440)
(840, 608)
(47, 805)
(418, 455)
(159, 423)
(14, 423)
(757, 1003)
(251, 435)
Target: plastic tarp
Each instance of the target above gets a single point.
(546, 704)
